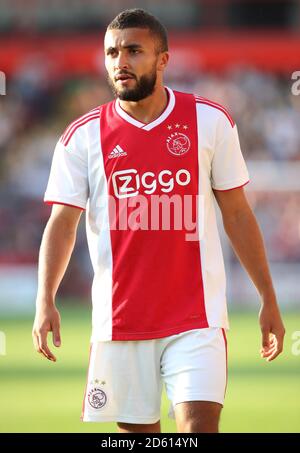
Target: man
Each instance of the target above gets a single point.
(159, 307)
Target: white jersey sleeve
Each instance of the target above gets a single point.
(228, 168)
(68, 180)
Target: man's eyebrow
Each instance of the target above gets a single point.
(129, 46)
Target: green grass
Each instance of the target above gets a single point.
(41, 396)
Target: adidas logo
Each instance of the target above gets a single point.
(117, 152)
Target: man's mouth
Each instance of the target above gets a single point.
(123, 77)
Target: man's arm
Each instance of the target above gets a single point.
(243, 231)
(55, 252)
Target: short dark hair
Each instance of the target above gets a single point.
(139, 18)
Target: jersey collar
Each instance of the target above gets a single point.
(156, 122)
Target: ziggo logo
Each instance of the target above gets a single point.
(127, 183)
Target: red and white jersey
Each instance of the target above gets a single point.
(150, 280)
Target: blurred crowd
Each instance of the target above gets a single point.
(38, 107)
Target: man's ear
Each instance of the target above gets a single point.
(163, 61)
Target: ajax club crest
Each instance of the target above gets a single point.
(97, 398)
(178, 143)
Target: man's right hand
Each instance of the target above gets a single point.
(55, 252)
(47, 319)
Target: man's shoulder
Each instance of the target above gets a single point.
(80, 124)
(214, 109)
(211, 110)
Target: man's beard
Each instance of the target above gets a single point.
(144, 88)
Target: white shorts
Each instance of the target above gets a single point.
(125, 378)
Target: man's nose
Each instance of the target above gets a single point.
(121, 62)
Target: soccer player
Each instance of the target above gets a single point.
(139, 165)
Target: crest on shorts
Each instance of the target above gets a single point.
(97, 398)
(178, 143)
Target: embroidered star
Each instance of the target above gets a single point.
(169, 127)
(96, 381)
(102, 382)
(177, 125)
(185, 126)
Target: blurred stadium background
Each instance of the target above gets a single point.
(239, 53)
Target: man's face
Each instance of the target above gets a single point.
(131, 63)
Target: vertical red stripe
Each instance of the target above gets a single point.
(167, 276)
(87, 377)
(226, 351)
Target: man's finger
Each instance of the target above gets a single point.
(277, 349)
(274, 355)
(47, 353)
(42, 338)
(268, 353)
(56, 335)
(268, 350)
(272, 340)
(272, 345)
(36, 343)
(279, 345)
(265, 338)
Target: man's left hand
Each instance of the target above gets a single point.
(273, 331)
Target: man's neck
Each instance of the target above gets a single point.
(148, 109)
